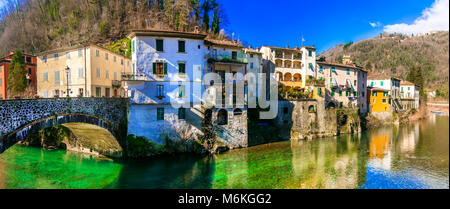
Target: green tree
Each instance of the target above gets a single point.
(17, 81)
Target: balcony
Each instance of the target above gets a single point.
(287, 56)
(298, 56)
(239, 58)
(134, 77)
(116, 83)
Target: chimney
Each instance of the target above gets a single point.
(11, 52)
(257, 49)
(296, 47)
(235, 41)
(287, 46)
(250, 46)
(312, 46)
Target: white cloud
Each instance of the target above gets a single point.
(375, 24)
(433, 18)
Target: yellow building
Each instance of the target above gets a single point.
(378, 99)
(93, 71)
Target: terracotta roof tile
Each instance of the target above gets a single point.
(222, 42)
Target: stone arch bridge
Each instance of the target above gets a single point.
(23, 117)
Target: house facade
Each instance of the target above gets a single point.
(345, 85)
(409, 95)
(293, 66)
(167, 89)
(388, 83)
(378, 99)
(92, 72)
(30, 68)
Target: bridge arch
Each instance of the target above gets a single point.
(22, 118)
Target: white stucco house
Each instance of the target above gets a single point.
(409, 95)
(165, 84)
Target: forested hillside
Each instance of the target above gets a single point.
(398, 55)
(38, 25)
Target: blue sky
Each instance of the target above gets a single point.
(328, 23)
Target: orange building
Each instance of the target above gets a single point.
(378, 99)
(30, 62)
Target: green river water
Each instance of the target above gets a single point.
(409, 156)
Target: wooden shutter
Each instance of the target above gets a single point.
(165, 68)
(154, 68)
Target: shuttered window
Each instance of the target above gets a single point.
(182, 113)
(182, 68)
(181, 46)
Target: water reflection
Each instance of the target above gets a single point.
(409, 156)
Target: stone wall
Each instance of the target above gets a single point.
(235, 132)
(18, 118)
(296, 121)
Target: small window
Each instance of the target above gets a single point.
(133, 48)
(181, 91)
(385, 94)
(285, 110)
(107, 74)
(97, 53)
(381, 83)
(80, 53)
(348, 71)
(115, 58)
(234, 55)
(45, 77)
(121, 61)
(310, 53)
(56, 56)
(374, 93)
(332, 92)
(160, 113)
(320, 68)
(354, 82)
(384, 101)
(182, 68)
(115, 75)
(159, 45)
(98, 92)
(44, 58)
(182, 113)
(57, 78)
(68, 55)
(80, 73)
(333, 69)
(340, 92)
(97, 74)
(371, 84)
(160, 91)
(251, 65)
(181, 46)
(106, 56)
(251, 55)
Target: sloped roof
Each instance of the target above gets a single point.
(341, 65)
(377, 89)
(381, 77)
(223, 42)
(165, 33)
(406, 83)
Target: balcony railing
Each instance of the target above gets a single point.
(298, 57)
(288, 56)
(134, 77)
(227, 58)
(116, 83)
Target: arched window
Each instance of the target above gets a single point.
(222, 117)
(311, 109)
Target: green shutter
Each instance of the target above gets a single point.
(154, 68)
(165, 68)
(132, 46)
(332, 92)
(340, 92)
